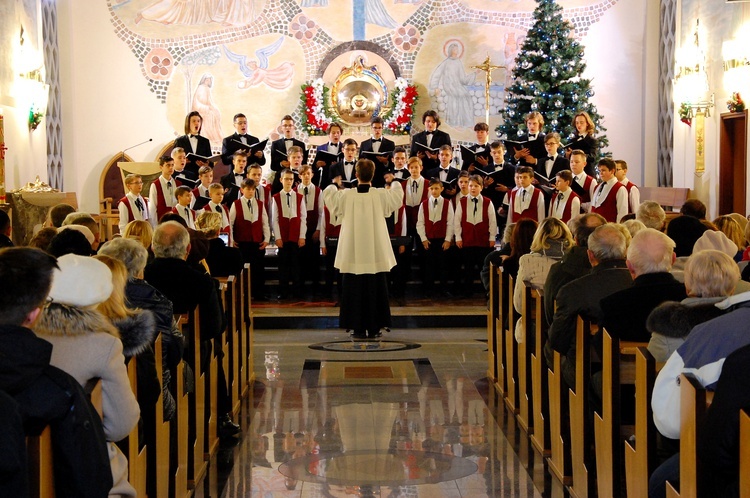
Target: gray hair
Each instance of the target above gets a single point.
(132, 254)
(75, 216)
(711, 273)
(651, 251)
(607, 242)
(651, 214)
(634, 226)
(171, 240)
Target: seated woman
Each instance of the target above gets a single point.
(86, 345)
(142, 232)
(222, 260)
(710, 277)
(551, 240)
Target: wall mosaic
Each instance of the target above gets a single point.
(225, 56)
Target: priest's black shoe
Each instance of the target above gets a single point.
(227, 428)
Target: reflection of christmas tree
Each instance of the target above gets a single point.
(547, 78)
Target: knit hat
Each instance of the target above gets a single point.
(80, 281)
(716, 240)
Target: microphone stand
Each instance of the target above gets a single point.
(122, 152)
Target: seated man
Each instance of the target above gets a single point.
(187, 288)
(44, 394)
(609, 274)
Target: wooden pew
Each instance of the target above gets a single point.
(135, 453)
(744, 454)
(640, 459)
(179, 473)
(693, 406)
(580, 430)
(499, 288)
(160, 474)
(540, 410)
(493, 312)
(525, 402)
(511, 352)
(234, 382)
(558, 463)
(40, 465)
(197, 464)
(247, 358)
(618, 369)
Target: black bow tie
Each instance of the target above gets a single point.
(550, 158)
(193, 136)
(218, 209)
(429, 133)
(376, 140)
(349, 163)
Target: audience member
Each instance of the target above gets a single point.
(734, 232)
(86, 345)
(520, 244)
(42, 238)
(86, 220)
(5, 230)
(46, 395)
(609, 274)
(188, 288)
(684, 231)
(710, 277)
(633, 227)
(651, 214)
(650, 258)
(694, 208)
(574, 263)
(222, 260)
(57, 213)
(198, 241)
(71, 240)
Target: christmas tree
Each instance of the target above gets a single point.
(548, 78)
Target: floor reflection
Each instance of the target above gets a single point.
(385, 424)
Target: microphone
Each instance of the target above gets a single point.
(122, 153)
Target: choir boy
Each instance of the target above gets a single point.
(262, 191)
(193, 142)
(241, 140)
(445, 172)
(400, 171)
(216, 193)
(432, 138)
(180, 161)
(345, 168)
(296, 157)
(184, 198)
(252, 233)
(161, 193)
(321, 173)
(554, 163)
(634, 195)
(527, 201)
(475, 228)
(481, 149)
(565, 203)
(310, 253)
(133, 206)
(499, 178)
(379, 144)
(611, 197)
(289, 224)
(583, 184)
(397, 231)
(280, 148)
(232, 181)
(463, 187)
(529, 156)
(435, 230)
(206, 177)
(415, 192)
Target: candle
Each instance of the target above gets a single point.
(2, 158)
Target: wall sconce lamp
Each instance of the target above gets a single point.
(701, 107)
(37, 93)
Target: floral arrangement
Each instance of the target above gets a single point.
(404, 97)
(316, 118)
(686, 113)
(35, 118)
(736, 104)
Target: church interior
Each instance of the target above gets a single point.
(88, 87)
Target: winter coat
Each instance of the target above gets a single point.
(85, 344)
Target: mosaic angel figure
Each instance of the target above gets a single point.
(257, 72)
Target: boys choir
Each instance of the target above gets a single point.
(502, 182)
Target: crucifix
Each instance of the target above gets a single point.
(487, 67)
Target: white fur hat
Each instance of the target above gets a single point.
(716, 240)
(80, 281)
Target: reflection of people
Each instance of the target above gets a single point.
(364, 254)
(204, 104)
(451, 79)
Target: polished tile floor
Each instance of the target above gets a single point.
(410, 416)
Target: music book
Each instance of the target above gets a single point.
(468, 156)
(185, 181)
(578, 189)
(253, 148)
(489, 173)
(231, 195)
(449, 183)
(349, 183)
(200, 202)
(327, 157)
(196, 157)
(428, 149)
(375, 154)
(536, 147)
(543, 180)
